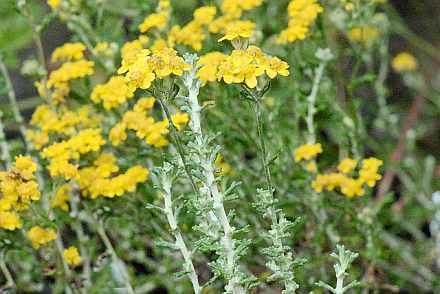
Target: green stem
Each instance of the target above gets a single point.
(178, 143)
(262, 143)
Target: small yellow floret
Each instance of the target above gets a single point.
(347, 165)
(404, 62)
(40, 236)
(307, 151)
(71, 256)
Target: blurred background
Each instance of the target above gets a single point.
(420, 24)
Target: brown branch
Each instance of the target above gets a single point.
(399, 151)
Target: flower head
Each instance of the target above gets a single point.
(404, 62)
(40, 236)
(71, 256)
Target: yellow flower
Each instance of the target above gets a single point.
(144, 104)
(59, 154)
(277, 67)
(70, 71)
(404, 62)
(209, 64)
(155, 20)
(204, 15)
(238, 29)
(40, 236)
(9, 220)
(28, 191)
(118, 185)
(54, 4)
(180, 119)
(68, 52)
(223, 168)
(365, 35)
(129, 51)
(71, 256)
(347, 165)
(240, 67)
(369, 171)
(25, 167)
(311, 167)
(113, 93)
(61, 198)
(352, 187)
(118, 134)
(307, 151)
(302, 14)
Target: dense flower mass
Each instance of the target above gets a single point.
(176, 129)
(113, 93)
(242, 66)
(151, 65)
(350, 187)
(144, 125)
(98, 180)
(302, 14)
(63, 154)
(18, 188)
(68, 52)
(238, 29)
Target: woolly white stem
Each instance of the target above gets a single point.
(227, 241)
(179, 242)
(311, 100)
(5, 155)
(324, 55)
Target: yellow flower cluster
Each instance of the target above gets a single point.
(48, 120)
(302, 14)
(151, 65)
(18, 188)
(58, 81)
(97, 180)
(404, 62)
(40, 236)
(307, 152)
(130, 50)
(350, 187)
(231, 12)
(242, 66)
(60, 154)
(193, 33)
(61, 198)
(146, 128)
(238, 29)
(365, 35)
(68, 52)
(71, 256)
(113, 93)
(157, 20)
(70, 71)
